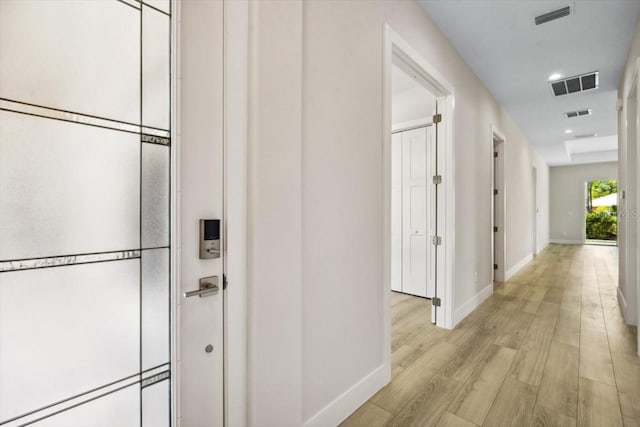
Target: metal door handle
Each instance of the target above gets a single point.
(208, 286)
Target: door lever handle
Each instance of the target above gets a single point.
(208, 286)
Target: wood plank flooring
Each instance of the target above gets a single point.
(548, 348)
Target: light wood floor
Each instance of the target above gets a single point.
(548, 348)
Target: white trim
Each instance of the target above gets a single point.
(236, 67)
(344, 405)
(386, 207)
(566, 242)
(235, 148)
(472, 303)
(637, 167)
(175, 210)
(513, 270)
(398, 127)
(632, 254)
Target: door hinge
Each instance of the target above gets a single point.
(495, 192)
(224, 281)
(495, 229)
(437, 179)
(436, 240)
(437, 118)
(495, 266)
(435, 301)
(495, 154)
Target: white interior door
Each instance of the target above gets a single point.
(414, 212)
(85, 155)
(200, 363)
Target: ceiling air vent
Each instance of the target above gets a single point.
(553, 15)
(575, 84)
(578, 113)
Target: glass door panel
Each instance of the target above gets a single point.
(85, 155)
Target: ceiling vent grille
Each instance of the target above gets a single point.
(553, 15)
(575, 84)
(578, 113)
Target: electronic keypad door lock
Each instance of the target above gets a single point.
(209, 238)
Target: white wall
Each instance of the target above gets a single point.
(274, 214)
(568, 198)
(316, 199)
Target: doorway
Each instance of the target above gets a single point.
(629, 255)
(401, 55)
(498, 205)
(534, 211)
(601, 212)
(412, 198)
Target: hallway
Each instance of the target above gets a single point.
(549, 347)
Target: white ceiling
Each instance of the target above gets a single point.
(514, 58)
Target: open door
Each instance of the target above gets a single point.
(436, 238)
(417, 211)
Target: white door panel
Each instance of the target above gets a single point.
(201, 189)
(414, 192)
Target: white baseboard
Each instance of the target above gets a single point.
(345, 404)
(567, 242)
(465, 309)
(513, 270)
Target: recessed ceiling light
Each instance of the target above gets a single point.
(568, 131)
(555, 76)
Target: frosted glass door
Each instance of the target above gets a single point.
(85, 155)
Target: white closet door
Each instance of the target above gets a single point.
(414, 212)
(396, 212)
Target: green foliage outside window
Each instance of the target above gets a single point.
(601, 221)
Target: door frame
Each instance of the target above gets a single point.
(498, 274)
(235, 120)
(632, 253)
(396, 46)
(534, 212)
